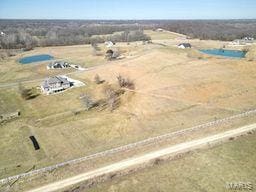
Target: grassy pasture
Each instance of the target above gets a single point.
(12, 71)
(207, 170)
(172, 91)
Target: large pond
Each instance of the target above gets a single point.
(35, 58)
(225, 53)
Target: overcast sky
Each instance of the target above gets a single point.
(128, 9)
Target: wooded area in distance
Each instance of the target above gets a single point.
(32, 33)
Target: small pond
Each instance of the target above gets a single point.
(35, 58)
(225, 53)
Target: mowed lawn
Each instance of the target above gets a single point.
(205, 170)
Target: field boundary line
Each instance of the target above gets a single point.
(128, 146)
(140, 162)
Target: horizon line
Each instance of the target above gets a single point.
(128, 19)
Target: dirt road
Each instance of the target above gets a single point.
(143, 159)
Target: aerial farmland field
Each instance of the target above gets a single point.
(174, 89)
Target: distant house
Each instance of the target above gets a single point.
(243, 41)
(159, 30)
(248, 38)
(236, 42)
(55, 84)
(184, 45)
(58, 65)
(109, 44)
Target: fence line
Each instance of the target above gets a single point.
(126, 147)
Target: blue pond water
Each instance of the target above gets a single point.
(225, 53)
(35, 58)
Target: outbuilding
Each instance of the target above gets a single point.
(184, 45)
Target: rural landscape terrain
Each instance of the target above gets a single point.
(140, 91)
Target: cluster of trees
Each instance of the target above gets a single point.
(125, 82)
(226, 30)
(18, 40)
(112, 94)
(129, 36)
(30, 33)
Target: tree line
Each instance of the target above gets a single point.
(28, 34)
(225, 30)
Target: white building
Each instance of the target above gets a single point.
(248, 38)
(58, 65)
(184, 45)
(159, 30)
(2, 33)
(109, 44)
(244, 41)
(55, 84)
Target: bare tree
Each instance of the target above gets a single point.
(97, 79)
(28, 93)
(125, 82)
(112, 98)
(95, 49)
(87, 101)
(9, 41)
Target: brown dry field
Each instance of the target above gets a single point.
(205, 170)
(174, 89)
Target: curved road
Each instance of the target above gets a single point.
(145, 158)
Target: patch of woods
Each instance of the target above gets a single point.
(225, 30)
(8, 53)
(112, 94)
(27, 34)
(28, 93)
